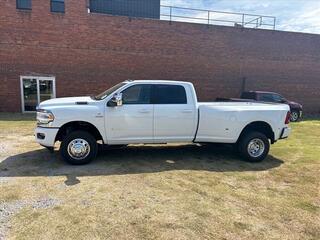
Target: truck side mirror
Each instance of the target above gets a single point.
(115, 101)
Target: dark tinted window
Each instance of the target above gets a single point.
(24, 4)
(266, 97)
(57, 6)
(133, 8)
(169, 94)
(271, 97)
(277, 98)
(248, 95)
(137, 94)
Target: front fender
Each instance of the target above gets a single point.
(91, 114)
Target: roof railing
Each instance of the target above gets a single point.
(210, 17)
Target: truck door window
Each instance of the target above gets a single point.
(137, 94)
(169, 94)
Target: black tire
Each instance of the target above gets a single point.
(294, 116)
(255, 137)
(87, 139)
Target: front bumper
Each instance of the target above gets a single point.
(285, 133)
(46, 136)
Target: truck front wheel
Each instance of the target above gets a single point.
(254, 146)
(79, 147)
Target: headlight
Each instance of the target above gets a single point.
(44, 116)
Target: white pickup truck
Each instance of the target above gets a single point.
(157, 111)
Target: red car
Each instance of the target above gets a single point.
(295, 108)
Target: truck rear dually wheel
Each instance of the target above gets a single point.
(79, 147)
(254, 146)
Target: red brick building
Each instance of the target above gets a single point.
(80, 53)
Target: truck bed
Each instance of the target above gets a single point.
(233, 100)
(224, 121)
(245, 104)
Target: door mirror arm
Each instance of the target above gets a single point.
(115, 101)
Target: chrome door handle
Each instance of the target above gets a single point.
(99, 115)
(144, 111)
(187, 111)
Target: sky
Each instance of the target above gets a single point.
(291, 15)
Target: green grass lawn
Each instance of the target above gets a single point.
(159, 192)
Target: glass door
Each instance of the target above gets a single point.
(30, 98)
(45, 89)
(35, 90)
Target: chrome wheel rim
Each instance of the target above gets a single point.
(294, 116)
(78, 149)
(256, 147)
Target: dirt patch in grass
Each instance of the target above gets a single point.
(159, 192)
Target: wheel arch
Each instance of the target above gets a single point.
(78, 125)
(258, 126)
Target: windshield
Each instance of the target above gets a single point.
(106, 93)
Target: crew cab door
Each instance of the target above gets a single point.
(132, 122)
(175, 113)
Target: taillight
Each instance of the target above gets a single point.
(287, 121)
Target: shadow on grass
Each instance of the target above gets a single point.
(311, 117)
(17, 117)
(133, 160)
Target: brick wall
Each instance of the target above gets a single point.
(88, 53)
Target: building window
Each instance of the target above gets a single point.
(24, 4)
(57, 6)
(131, 8)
